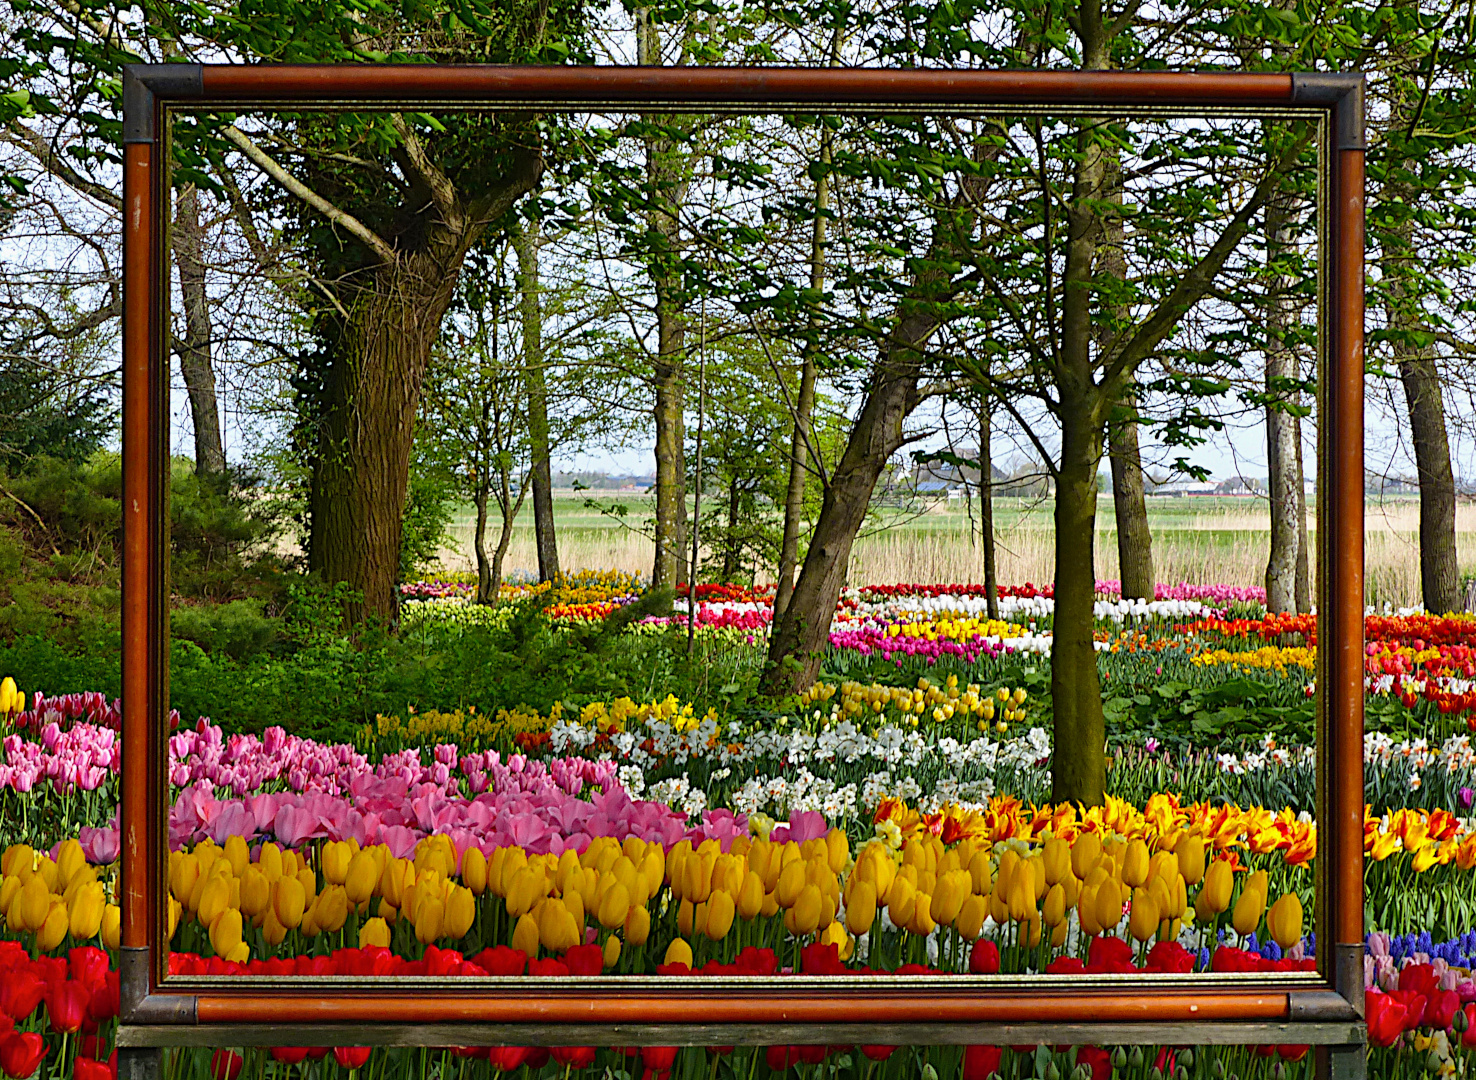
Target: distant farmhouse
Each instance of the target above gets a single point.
(940, 479)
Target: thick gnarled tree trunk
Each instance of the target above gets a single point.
(368, 430)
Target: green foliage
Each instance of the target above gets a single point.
(47, 414)
(430, 505)
(238, 629)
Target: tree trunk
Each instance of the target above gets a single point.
(485, 593)
(509, 508)
(194, 351)
(986, 511)
(1439, 570)
(1078, 768)
(801, 461)
(732, 546)
(1078, 760)
(799, 637)
(666, 175)
(1281, 433)
(1134, 541)
(1304, 562)
(368, 430)
(526, 241)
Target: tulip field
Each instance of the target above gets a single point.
(894, 818)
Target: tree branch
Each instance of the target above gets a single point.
(30, 142)
(295, 187)
(442, 191)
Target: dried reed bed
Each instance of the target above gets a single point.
(1217, 545)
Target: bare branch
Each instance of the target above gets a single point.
(295, 187)
(31, 142)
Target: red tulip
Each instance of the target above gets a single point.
(984, 958)
(1097, 1059)
(780, 1058)
(225, 1065)
(289, 1055)
(21, 1053)
(881, 1053)
(1385, 1018)
(1440, 1009)
(66, 1006)
(351, 1057)
(20, 993)
(87, 964)
(575, 1057)
(104, 1003)
(1414, 1004)
(87, 1069)
(812, 1055)
(1164, 1062)
(507, 1058)
(980, 1061)
(1293, 1051)
(658, 1058)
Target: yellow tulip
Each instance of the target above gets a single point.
(111, 930)
(335, 862)
(374, 933)
(183, 875)
(1085, 854)
(31, 906)
(525, 936)
(1144, 916)
(861, 908)
(176, 909)
(1284, 921)
(332, 908)
(9, 888)
(1135, 864)
(720, 912)
(838, 850)
(1086, 911)
(269, 861)
(225, 931)
(1190, 851)
(970, 921)
(1247, 914)
(474, 870)
(1057, 859)
(638, 926)
(288, 902)
(256, 892)
(272, 930)
(215, 897)
(362, 876)
(807, 910)
(1054, 911)
(429, 915)
(1214, 894)
(614, 906)
(751, 895)
(791, 883)
(86, 912)
(8, 697)
(678, 952)
(69, 859)
(611, 952)
(835, 934)
(461, 912)
(237, 854)
(922, 922)
(240, 954)
(1109, 905)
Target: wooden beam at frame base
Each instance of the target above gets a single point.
(1230, 1033)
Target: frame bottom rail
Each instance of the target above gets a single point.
(1238, 1033)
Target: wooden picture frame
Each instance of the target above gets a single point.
(1324, 1008)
